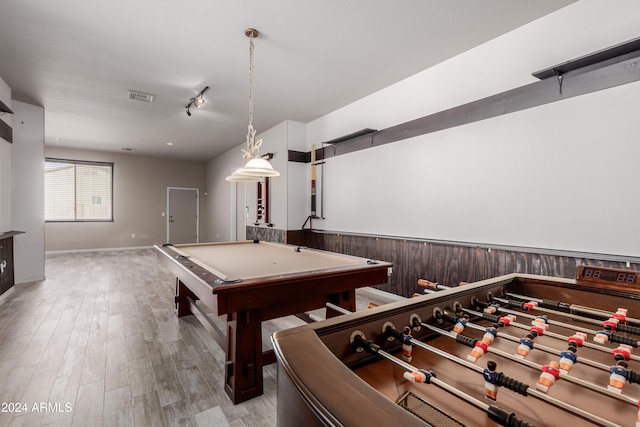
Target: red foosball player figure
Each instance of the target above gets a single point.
(619, 374)
(506, 320)
(578, 338)
(622, 352)
(611, 323)
(541, 322)
(550, 373)
(621, 315)
(479, 349)
(529, 305)
(460, 324)
(490, 380)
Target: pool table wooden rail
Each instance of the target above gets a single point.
(275, 296)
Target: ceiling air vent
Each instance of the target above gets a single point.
(141, 96)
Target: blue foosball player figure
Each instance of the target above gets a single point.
(619, 374)
(490, 380)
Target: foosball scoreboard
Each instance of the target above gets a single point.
(517, 350)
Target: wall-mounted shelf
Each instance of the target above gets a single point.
(616, 53)
(356, 134)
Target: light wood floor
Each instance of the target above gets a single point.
(98, 344)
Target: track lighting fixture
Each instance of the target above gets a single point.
(196, 101)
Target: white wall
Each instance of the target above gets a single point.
(274, 141)
(28, 191)
(227, 221)
(298, 178)
(5, 165)
(560, 176)
(139, 201)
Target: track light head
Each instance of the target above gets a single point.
(196, 101)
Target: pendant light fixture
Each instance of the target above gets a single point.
(256, 166)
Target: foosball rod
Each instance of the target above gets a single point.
(616, 338)
(530, 364)
(432, 286)
(553, 335)
(614, 324)
(494, 412)
(518, 387)
(544, 348)
(574, 307)
(552, 311)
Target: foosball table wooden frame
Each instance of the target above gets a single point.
(404, 364)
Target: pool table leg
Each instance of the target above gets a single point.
(346, 300)
(182, 304)
(243, 368)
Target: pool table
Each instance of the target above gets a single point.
(252, 281)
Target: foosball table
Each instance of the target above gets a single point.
(517, 350)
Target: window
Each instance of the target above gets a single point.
(77, 190)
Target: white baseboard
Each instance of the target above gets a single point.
(7, 293)
(30, 280)
(68, 251)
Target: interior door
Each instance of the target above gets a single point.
(182, 215)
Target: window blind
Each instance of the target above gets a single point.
(78, 190)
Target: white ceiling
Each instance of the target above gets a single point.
(79, 58)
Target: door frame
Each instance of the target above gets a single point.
(168, 215)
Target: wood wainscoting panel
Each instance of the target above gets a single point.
(447, 263)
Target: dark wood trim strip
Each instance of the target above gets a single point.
(299, 156)
(449, 263)
(574, 83)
